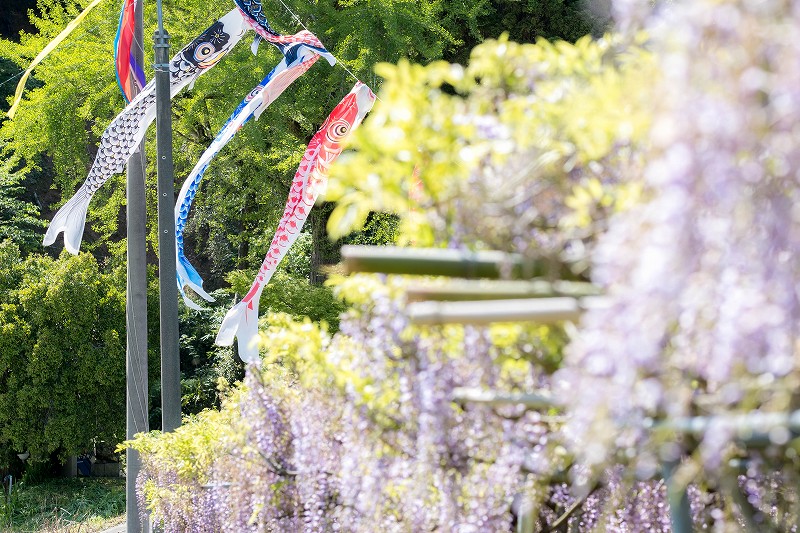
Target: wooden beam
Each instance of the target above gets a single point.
(467, 289)
(538, 310)
(447, 262)
(463, 395)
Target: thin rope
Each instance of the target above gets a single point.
(15, 76)
(338, 61)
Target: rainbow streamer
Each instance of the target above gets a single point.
(130, 75)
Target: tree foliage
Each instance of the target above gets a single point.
(522, 146)
(62, 353)
(19, 219)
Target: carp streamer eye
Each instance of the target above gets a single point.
(254, 93)
(203, 51)
(338, 130)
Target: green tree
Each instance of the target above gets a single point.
(19, 219)
(62, 353)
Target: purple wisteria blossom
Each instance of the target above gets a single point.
(702, 277)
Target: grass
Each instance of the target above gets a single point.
(71, 505)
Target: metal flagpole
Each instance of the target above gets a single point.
(136, 308)
(168, 290)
